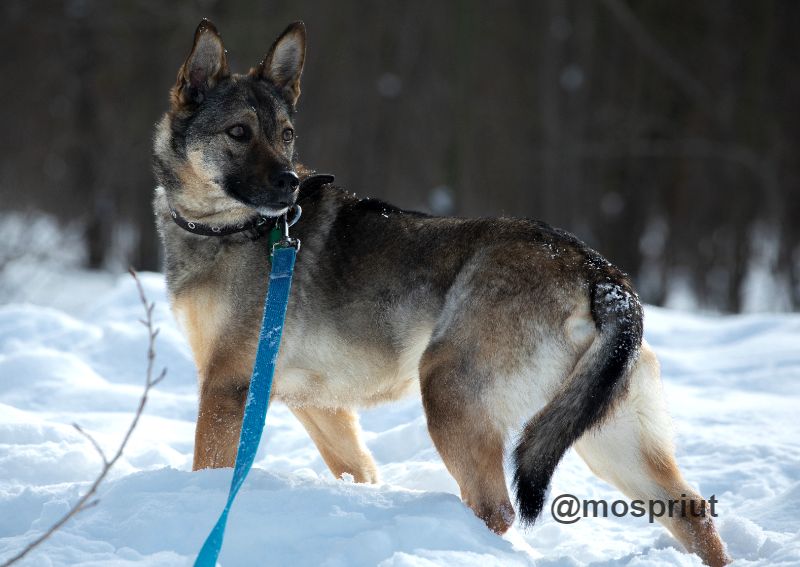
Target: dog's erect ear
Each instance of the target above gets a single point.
(283, 65)
(206, 66)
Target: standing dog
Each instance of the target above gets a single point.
(497, 321)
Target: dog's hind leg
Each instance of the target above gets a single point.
(633, 451)
(469, 443)
(337, 435)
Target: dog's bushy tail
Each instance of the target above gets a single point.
(600, 375)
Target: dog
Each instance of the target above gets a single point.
(497, 322)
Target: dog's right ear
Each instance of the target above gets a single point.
(206, 66)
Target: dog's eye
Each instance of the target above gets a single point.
(239, 132)
(288, 135)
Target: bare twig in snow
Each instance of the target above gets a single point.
(93, 442)
(86, 501)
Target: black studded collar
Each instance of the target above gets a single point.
(257, 226)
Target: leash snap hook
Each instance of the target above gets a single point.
(288, 241)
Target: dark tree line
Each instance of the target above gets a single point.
(665, 134)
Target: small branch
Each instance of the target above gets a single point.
(88, 505)
(656, 52)
(93, 442)
(86, 501)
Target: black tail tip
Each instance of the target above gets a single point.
(531, 493)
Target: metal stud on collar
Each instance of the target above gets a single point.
(255, 227)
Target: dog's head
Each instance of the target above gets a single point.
(227, 144)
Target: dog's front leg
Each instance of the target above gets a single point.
(337, 435)
(219, 421)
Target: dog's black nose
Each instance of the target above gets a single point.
(286, 180)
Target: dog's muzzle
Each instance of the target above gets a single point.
(282, 192)
(285, 181)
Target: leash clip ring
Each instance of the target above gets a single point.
(288, 241)
(298, 211)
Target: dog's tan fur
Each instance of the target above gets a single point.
(337, 435)
(202, 315)
(469, 441)
(494, 321)
(694, 530)
(634, 452)
(202, 198)
(219, 420)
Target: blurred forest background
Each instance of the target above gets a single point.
(664, 134)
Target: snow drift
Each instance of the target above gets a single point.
(733, 385)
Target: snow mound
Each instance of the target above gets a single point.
(351, 524)
(733, 385)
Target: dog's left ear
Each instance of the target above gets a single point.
(283, 65)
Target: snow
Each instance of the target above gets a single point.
(732, 384)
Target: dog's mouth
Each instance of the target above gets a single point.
(267, 205)
(270, 195)
(272, 211)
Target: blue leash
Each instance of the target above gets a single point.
(255, 410)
